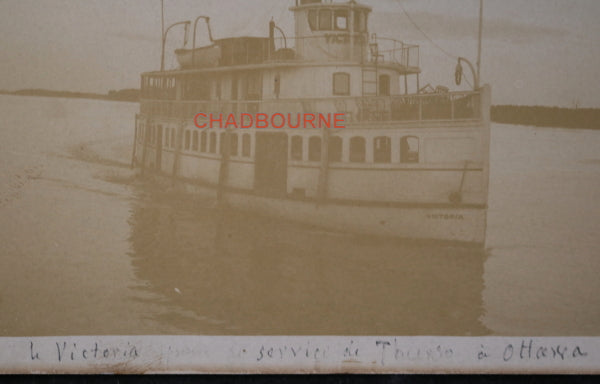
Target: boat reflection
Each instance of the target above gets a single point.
(223, 272)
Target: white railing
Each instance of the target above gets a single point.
(423, 107)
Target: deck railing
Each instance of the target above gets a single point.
(423, 107)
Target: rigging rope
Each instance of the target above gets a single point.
(454, 57)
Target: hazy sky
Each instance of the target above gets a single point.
(536, 52)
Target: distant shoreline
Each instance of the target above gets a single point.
(127, 95)
(549, 117)
(537, 116)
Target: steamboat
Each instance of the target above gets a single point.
(410, 161)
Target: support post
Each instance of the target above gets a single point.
(324, 171)
(135, 136)
(224, 167)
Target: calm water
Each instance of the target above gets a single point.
(87, 248)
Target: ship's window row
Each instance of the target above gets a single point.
(240, 145)
(203, 142)
(408, 147)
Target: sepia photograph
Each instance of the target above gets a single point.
(299, 186)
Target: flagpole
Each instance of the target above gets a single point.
(162, 34)
(480, 37)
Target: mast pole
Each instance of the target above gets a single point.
(162, 24)
(479, 42)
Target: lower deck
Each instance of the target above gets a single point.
(443, 163)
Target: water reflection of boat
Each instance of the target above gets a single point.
(408, 164)
(243, 274)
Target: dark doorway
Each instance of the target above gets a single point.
(270, 174)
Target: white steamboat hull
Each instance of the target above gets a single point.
(444, 223)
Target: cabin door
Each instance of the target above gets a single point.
(159, 141)
(271, 162)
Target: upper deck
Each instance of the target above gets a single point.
(324, 32)
(332, 64)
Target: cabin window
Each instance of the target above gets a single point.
(213, 143)
(314, 149)
(187, 140)
(312, 19)
(233, 139)
(341, 20)
(384, 85)
(218, 88)
(253, 87)
(203, 142)
(341, 84)
(382, 149)
(296, 150)
(222, 142)
(325, 20)
(360, 21)
(234, 88)
(357, 150)
(409, 149)
(246, 148)
(195, 141)
(335, 149)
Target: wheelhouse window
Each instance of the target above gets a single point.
(195, 141)
(246, 148)
(325, 22)
(357, 150)
(213, 143)
(314, 149)
(335, 149)
(296, 148)
(341, 20)
(409, 149)
(384, 85)
(382, 149)
(341, 84)
(360, 21)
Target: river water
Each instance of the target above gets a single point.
(88, 248)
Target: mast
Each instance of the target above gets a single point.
(479, 41)
(162, 17)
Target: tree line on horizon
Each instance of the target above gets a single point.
(131, 95)
(582, 118)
